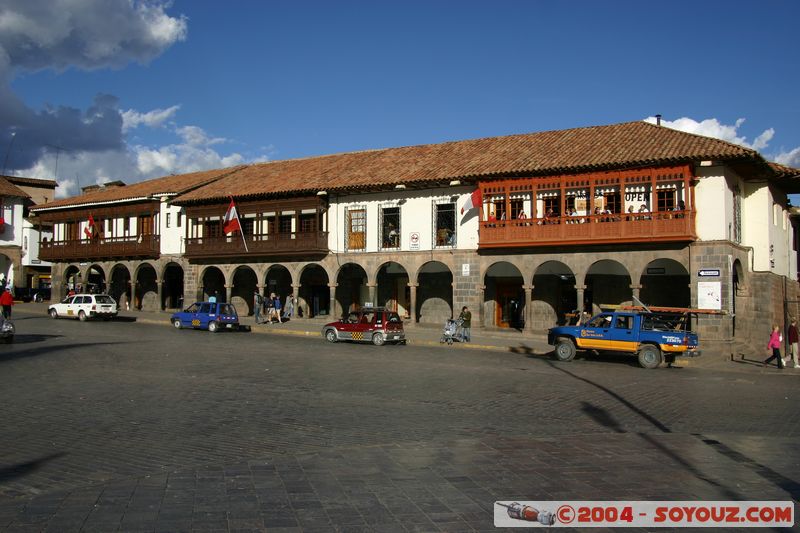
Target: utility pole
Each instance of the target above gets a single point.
(8, 151)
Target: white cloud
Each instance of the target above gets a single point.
(195, 136)
(790, 158)
(153, 119)
(712, 127)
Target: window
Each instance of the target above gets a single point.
(613, 202)
(307, 221)
(517, 207)
(126, 225)
(285, 224)
(390, 227)
(552, 206)
(247, 225)
(500, 209)
(168, 219)
(665, 200)
(212, 228)
(445, 224)
(356, 228)
(179, 220)
(737, 215)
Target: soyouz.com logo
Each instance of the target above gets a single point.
(644, 514)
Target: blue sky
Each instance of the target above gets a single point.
(132, 90)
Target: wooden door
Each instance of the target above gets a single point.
(356, 229)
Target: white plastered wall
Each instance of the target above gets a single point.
(416, 216)
(714, 204)
(172, 236)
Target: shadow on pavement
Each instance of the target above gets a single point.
(8, 473)
(28, 339)
(36, 352)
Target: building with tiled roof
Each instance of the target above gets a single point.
(525, 229)
(21, 269)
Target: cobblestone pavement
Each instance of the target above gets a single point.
(126, 426)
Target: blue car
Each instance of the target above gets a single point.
(213, 316)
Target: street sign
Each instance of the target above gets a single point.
(709, 273)
(413, 240)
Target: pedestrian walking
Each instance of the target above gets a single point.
(775, 340)
(276, 308)
(466, 323)
(288, 309)
(6, 300)
(258, 301)
(270, 303)
(793, 337)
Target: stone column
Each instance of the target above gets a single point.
(528, 316)
(296, 293)
(160, 288)
(373, 293)
(635, 292)
(334, 313)
(481, 312)
(580, 290)
(228, 291)
(413, 303)
(134, 298)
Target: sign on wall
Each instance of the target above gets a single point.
(465, 269)
(709, 295)
(708, 272)
(413, 240)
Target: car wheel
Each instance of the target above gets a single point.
(330, 335)
(176, 323)
(53, 313)
(213, 327)
(82, 316)
(650, 356)
(378, 339)
(565, 350)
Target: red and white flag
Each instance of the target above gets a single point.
(231, 222)
(475, 200)
(90, 228)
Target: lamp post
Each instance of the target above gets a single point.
(8, 151)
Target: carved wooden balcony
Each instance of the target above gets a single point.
(593, 229)
(312, 243)
(138, 246)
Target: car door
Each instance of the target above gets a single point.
(621, 336)
(202, 315)
(595, 335)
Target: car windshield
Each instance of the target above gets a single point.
(193, 308)
(600, 321)
(104, 299)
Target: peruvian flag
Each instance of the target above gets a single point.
(231, 222)
(475, 200)
(89, 230)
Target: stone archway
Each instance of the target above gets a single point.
(434, 293)
(119, 286)
(314, 297)
(72, 279)
(172, 287)
(392, 288)
(95, 281)
(351, 288)
(504, 299)
(665, 283)
(145, 294)
(554, 295)
(278, 281)
(212, 284)
(608, 282)
(245, 281)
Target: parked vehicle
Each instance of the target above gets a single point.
(6, 330)
(84, 307)
(650, 334)
(213, 316)
(371, 324)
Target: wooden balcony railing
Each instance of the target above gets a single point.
(593, 229)
(283, 244)
(138, 246)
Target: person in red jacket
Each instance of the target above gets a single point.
(6, 300)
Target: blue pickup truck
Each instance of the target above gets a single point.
(652, 336)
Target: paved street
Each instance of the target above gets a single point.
(133, 426)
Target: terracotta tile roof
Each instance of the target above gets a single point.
(625, 145)
(35, 182)
(782, 171)
(141, 190)
(9, 189)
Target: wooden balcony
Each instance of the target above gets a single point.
(140, 246)
(278, 244)
(595, 229)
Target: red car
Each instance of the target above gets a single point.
(371, 324)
